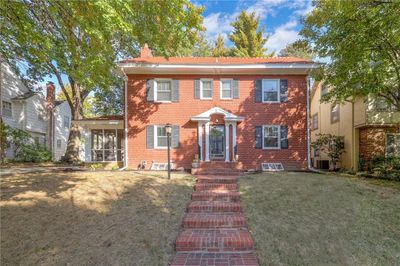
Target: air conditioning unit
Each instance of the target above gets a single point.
(272, 167)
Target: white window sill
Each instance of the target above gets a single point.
(271, 148)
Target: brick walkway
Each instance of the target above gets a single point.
(215, 228)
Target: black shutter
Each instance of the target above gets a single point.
(175, 90)
(175, 137)
(150, 137)
(258, 91)
(197, 89)
(258, 137)
(150, 90)
(284, 90)
(235, 88)
(284, 137)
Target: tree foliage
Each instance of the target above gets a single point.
(247, 37)
(219, 48)
(331, 145)
(82, 40)
(299, 48)
(361, 39)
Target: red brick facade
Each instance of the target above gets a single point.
(373, 141)
(291, 113)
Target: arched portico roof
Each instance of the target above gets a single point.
(206, 116)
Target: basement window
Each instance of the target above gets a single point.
(272, 167)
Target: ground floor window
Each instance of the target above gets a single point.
(271, 137)
(161, 137)
(107, 145)
(393, 145)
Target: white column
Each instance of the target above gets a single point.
(200, 139)
(226, 142)
(233, 140)
(207, 141)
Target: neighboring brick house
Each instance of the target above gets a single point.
(369, 126)
(235, 111)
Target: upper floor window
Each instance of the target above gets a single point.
(66, 121)
(226, 89)
(382, 105)
(393, 145)
(271, 137)
(314, 122)
(7, 109)
(163, 91)
(335, 113)
(324, 90)
(206, 89)
(270, 90)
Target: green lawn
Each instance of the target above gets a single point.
(314, 219)
(91, 218)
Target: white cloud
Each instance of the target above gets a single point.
(283, 35)
(218, 23)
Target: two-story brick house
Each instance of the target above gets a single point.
(235, 111)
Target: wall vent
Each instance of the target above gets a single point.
(272, 167)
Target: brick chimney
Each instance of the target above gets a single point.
(50, 95)
(145, 51)
(50, 104)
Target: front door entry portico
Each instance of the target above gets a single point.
(217, 142)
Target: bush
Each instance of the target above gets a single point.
(386, 167)
(25, 150)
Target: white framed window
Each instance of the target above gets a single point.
(7, 109)
(324, 90)
(335, 113)
(163, 90)
(392, 144)
(66, 121)
(270, 90)
(226, 89)
(271, 137)
(314, 122)
(160, 137)
(206, 89)
(58, 143)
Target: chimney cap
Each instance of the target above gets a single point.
(50, 82)
(145, 51)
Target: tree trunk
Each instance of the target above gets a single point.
(74, 139)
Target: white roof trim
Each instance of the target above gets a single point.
(98, 122)
(217, 110)
(222, 66)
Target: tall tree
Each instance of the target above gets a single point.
(201, 48)
(361, 39)
(299, 48)
(87, 105)
(248, 39)
(219, 47)
(82, 40)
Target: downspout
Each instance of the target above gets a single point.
(125, 121)
(309, 166)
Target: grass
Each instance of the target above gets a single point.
(91, 218)
(314, 219)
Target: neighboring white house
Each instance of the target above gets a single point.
(30, 111)
(62, 123)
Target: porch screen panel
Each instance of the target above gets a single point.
(110, 141)
(97, 145)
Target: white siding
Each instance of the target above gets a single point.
(61, 132)
(35, 106)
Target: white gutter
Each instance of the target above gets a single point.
(309, 166)
(221, 66)
(126, 121)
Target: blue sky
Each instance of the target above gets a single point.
(280, 18)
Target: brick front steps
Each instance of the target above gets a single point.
(214, 228)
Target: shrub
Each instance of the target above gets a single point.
(25, 150)
(386, 167)
(331, 145)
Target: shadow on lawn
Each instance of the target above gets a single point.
(111, 220)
